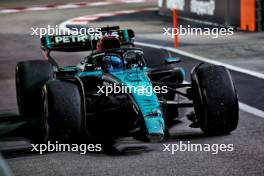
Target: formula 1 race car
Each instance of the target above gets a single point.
(75, 102)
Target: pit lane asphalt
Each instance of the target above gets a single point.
(246, 159)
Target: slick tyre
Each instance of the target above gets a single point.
(63, 112)
(215, 100)
(30, 78)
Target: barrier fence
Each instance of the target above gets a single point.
(242, 14)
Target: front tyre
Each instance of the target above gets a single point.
(215, 99)
(63, 111)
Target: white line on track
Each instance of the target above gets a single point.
(203, 59)
(251, 110)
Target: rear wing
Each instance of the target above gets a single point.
(67, 43)
(80, 42)
(126, 36)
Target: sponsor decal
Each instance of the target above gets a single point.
(71, 39)
(203, 7)
(178, 4)
(160, 3)
(199, 7)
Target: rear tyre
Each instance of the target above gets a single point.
(63, 112)
(30, 78)
(215, 99)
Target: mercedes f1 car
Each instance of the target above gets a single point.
(68, 104)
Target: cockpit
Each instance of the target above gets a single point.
(115, 60)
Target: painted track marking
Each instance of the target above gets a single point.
(69, 6)
(203, 59)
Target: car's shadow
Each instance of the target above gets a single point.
(131, 148)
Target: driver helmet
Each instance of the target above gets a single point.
(112, 64)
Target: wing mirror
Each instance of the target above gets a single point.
(172, 60)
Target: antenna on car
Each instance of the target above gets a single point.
(169, 53)
(91, 42)
(92, 45)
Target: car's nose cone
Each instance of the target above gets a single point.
(155, 137)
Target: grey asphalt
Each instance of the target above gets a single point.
(17, 44)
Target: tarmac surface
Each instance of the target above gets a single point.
(242, 49)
